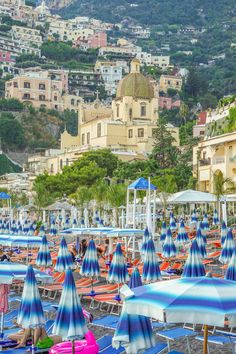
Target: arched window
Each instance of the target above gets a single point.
(143, 109)
(72, 101)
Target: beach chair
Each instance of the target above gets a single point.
(177, 333)
(111, 350)
(104, 342)
(157, 349)
(109, 321)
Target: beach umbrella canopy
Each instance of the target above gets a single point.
(205, 222)
(135, 279)
(10, 271)
(194, 217)
(230, 273)
(90, 266)
(182, 236)
(201, 243)
(30, 314)
(216, 220)
(193, 266)
(42, 230)
(151, 270)
(64, 258)
(23, 241)
(118, 270)
(169, 249)
(53, 229)
(69, 323)
(163, 231)
(223, 233)
(44, 257)
(173, 226)
(146, 237)
(228, 248)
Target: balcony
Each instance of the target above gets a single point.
(205, 162)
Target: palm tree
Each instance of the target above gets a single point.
(82, 196)
(99, 193)
(116, 196)
(222, 186)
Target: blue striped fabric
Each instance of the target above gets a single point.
(194, 217)
(203, 231)
(193, 266)
(223, 233)
(69, 322)
(53, 229)
(151, 270)
(31, 311)
(44, 257)
(169, 249)
(118, 270)
(205, 222)
(146, 237)
(182, 236)
(228, 248)
(173, 226)
(201, 243)
(64, 258)
(230, 273)
(163, 232)
(90, 266)
(216, 220)
(200, 300)
(135, 279)
(21, 241)
(10, 271)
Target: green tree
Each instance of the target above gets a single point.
(221, 186)
(82, 196)
(99, 191)
(43, 197)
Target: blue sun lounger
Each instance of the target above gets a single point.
(177, 334)
(157, 349)
(221, 339)
(109, 321)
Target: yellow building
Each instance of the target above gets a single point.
(170, 82)
(27, 35)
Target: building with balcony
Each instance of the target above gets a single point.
(170, 82)
(27, 36)
(111, 73)
(84, 83)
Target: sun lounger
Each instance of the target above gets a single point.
(175, 352)
(157, 349)
(100, 289)
(104, 342)
(109, 321)
(176, 334)
(111, 350)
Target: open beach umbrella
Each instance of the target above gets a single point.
(44, 257)
(182, 236)
(173, 226)
(216, 220)
(30, 314)
(146, 237)
(223, 233)
(228, 248)
(70, 323)
(163, 232)
(194, 217)
(169, 249)
(64, 258)
(193, 266)
(90, 266)
(205, 222)
(200, 300)
(230, 273)
(201, 243)
(151, 270)
(118, 270)
(10, 271)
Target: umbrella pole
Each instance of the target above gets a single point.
(2, 320)
(73, 346)
(205, 339)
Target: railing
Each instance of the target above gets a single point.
(205, 162)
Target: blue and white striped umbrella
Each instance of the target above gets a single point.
(82, 223)
(96, 218)
(69, 323)
(19, 229)
(31, 230)
(201, 244)
(75, 223)
(223, 233)
(216, 220)
(151, 270)
(21, 241)
(10, 271)
(31, 311)
(182, 236)
(146, 237)
(228, 248)
(53, 229)
(173, 226)
(64, 258)
(194, 217)
(230, 273)
(42, 230)
(67, 224)
(13, 227)
(169, 249)
(193, 266)
(135, 279)
(44, 257)
(205, 222)
(163, 232)
(202, 300)
(26, 227)
(118, 270)
(90, 266)
(203, 231)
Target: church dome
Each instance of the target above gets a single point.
(135, 84)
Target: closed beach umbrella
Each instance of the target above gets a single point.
(194, 217)
(135, 279)
(228, 248)
(163, 232)
(203, 231)
(169, 249)
(26, 227)
(30, 314)
(173, 226)
(201, 244)
(146, 237)
(216, 220)
(53, 229)
(44, 257)
(118, 270)
(64, 258)
(223, 233)
(42, 230)
(151, 270)
(182, 236)
(70, 323)
(205, 222)
(75, 223)
(193, 266)
(230, 273)
(90, 266)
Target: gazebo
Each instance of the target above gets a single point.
(141, 184)
(5, 196)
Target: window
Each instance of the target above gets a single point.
(117, 110)
(83, 139)
(99, 130)
(168, 82)
(15, 84)
(52, 169)
(61, 164)
(130, 133)
(177, 83)
(56, 106)
(143, 110)
(41, 97)
(55, 98)
(67, 162)
(26, 84)
(88, 138)
(72, 102)
(154, 132)
(26, 96)
(42, 86)
(140, 132)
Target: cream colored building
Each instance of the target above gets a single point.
(170, 82)
(27, 35)
(65, 30)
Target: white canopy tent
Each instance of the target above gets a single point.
(192, 197)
